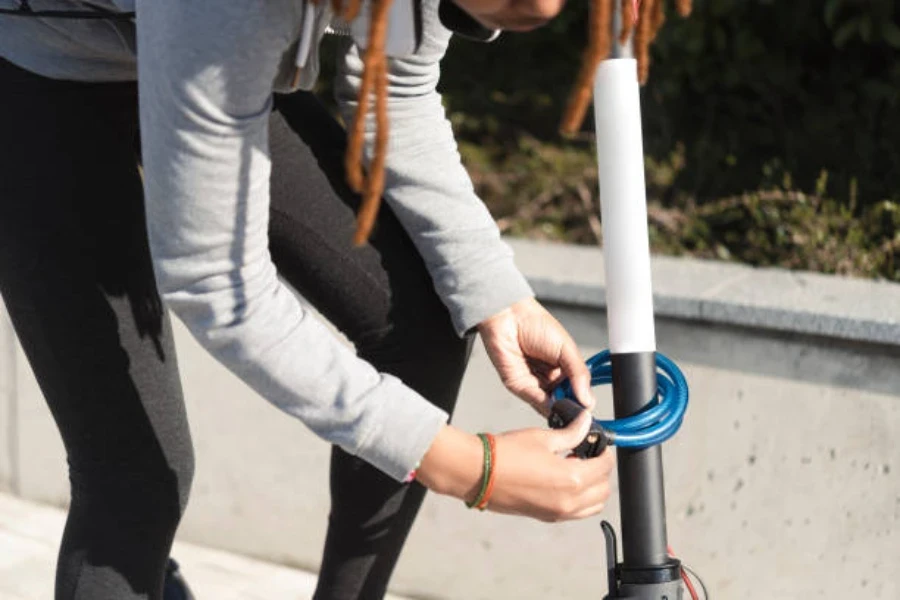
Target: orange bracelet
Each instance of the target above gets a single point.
(490, 484)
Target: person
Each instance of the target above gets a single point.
(244, 180)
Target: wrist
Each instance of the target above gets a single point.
(453, 464)
(515, 309)
(481, 500)
(494, 319)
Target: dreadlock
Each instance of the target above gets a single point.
(599, 45)
(350, 11)
(374, 80)
(683, 7)
(642, 19)
(628, 19)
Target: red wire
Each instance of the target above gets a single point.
(688, 584)
(687, 580)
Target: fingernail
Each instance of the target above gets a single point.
(585, 423)
(587, 396)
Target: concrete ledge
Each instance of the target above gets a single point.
(718, 292)
(786, 464)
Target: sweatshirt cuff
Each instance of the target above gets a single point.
(495, 287)
(401, 431)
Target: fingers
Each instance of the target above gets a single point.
(573, 366)
(597, 470)
(567, 438)
(533, 480)
(532, 352)
(545, 370)
(596, 503)
(593, 476)
(548, 374)
(530, 389)
(602, 465)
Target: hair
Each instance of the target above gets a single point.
(641, 19)
(629, 16)
(599, 45)
(370, 184)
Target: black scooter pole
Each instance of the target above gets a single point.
(646, 571)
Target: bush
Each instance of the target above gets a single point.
(757, 90)
(771, 131)
(753, 89)
(750, 104)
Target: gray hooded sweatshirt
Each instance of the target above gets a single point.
(206, 73)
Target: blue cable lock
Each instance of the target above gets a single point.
(659, 421)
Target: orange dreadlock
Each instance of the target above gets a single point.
(642, 35)
(371, 185)
(599, 45)
(350, 11)
(659, 18)
(374, 80)
(650, 18)
(628, 18)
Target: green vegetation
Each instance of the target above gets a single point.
(772, 133)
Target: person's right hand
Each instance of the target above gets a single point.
(532, 475)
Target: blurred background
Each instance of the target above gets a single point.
(771, 132)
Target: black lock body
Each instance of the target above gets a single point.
(566, 410)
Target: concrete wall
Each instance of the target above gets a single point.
(783, 482)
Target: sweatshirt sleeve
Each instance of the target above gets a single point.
(205, 81)
(427, 186)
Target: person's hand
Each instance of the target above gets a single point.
(512, 15)
(533, 353)
(532, 477)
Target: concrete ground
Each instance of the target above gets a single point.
(29, 538)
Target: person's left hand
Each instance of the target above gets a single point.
(532, 353)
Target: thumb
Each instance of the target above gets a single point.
(581, 385)
(579, 375)
(565, 439)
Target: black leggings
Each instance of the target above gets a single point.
(76, 278)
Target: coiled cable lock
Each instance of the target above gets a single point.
(653, 425)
